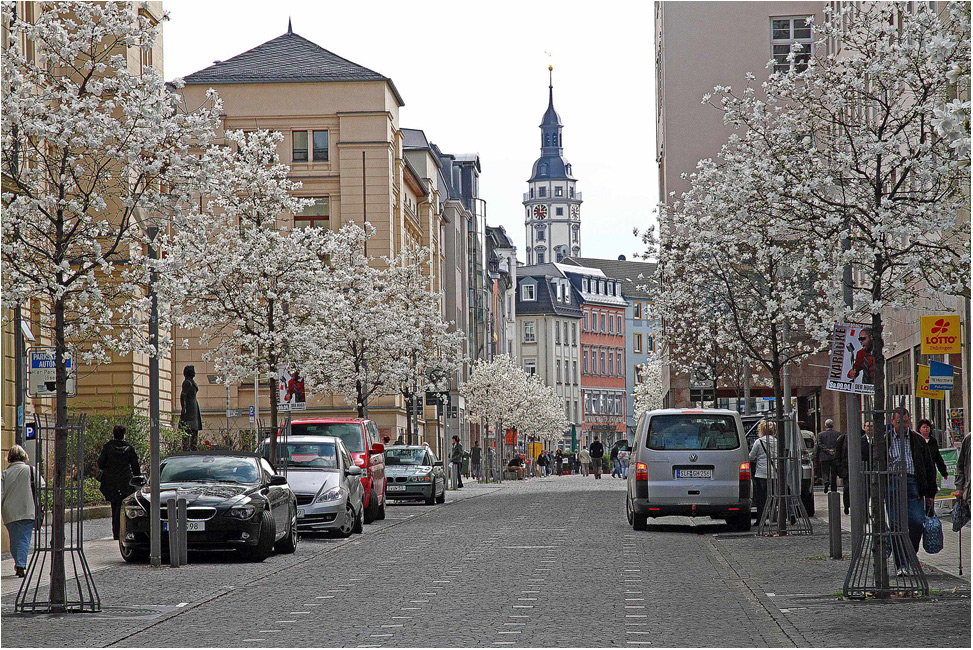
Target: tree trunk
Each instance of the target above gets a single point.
(273, 416)
(880, 455)
(781, 446)
(57, 593)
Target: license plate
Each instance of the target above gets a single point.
(300, 513)
(395, 488)
(694, 473)
(191, 526)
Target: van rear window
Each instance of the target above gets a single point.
(697, 432)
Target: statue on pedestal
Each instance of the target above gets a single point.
(190, 420)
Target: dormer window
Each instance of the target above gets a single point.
(584, 285)
(528, 291)
(567, 168)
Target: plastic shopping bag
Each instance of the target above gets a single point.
(932, 533)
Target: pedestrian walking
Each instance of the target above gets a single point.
(613, 457)
(559, 461)
(597, 451)
(623, 459)
(760, 458)
(18, 487)
(584, 457)
(925, 430)
(475, 456)
(963, 472)
(824, 451)
(456, 458)
(118, 463)
(542, 464)
(840, 467)
(908, 451)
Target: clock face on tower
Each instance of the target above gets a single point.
(540, 212)
(575, 211)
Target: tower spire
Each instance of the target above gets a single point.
(290, 30)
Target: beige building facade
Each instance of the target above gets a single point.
(344, 144)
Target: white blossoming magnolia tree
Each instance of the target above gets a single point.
(383, 330)
(249, 287)
(648, 393)
(869, 146)
(88, 146)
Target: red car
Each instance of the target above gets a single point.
(361, 438)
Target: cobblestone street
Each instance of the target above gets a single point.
(546, 562)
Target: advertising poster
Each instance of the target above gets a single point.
(852, 365)
(941, 334)
(290, 390)
(947, 485)
(922, 385)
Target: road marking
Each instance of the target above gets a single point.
(268, 631)
(428, 593)
(400, 617)
(325, 596)
(631, 570)
(515, 623)
(639, 642)
(634, 599)
(523, 606)
(379, 635)
(503, 643)
(530, 592)
(418, 601)
(245, 640)
(519, 616)
(182, 604)
(636, 616)
(634, 606)
(285, 621)
(410, 608)
(393, 625)
(637, 632)
(311, 605)
(526, 599)
(440, 581)
(509, 632)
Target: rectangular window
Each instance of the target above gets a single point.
(586, 321)
(651, 344)
(574, 366)
(637, 310)
(527, 292)
(559, 212)
(584, 285)
(637, 345)
(558, 191)
(611, 362)
(574, 333)
(542, 192)
(603, 367)
(540, 258)
(530, 334)
(587, 404)
(557, 367)
(639, 373)
(530, 367)
(557, 333)
(692, 432)
(619, 363)
(611, 324)
(320, 146)
(586, 367)
(540, 234)
(299, 146)
(315, 216)
(618, 325)
(603, 322)
(784, 33)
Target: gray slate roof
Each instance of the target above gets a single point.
(289, 58)
(624, 270)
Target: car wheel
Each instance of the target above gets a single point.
(359, 522)
(371, 512)
(431, 499)
(740, 522)
(132, 555)
(265, 543)
(442, 497)
(289, 542)
(348, 525)
(807, 498)
(380, 513)
(628, 510)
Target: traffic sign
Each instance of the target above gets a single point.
(234, 413)
(940, 376)
(253, 413)
(30, 432)
(42, 373)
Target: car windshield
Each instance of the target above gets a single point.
(699, 432)
(310, 455)
(350, 432)
(215, 469)
(405, 456)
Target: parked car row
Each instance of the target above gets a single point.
(332, 479)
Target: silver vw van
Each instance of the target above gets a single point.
(689, 462)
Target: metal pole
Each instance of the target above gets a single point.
(853, 434)
(155, 506)
(181, 512)
(19, 368)
(172, 516)
(834, 524)
(746, 389)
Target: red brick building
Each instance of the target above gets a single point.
(603, 360)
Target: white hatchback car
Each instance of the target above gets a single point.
(689, 462)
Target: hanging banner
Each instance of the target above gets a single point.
(290, 390)
(922, 385)
(940, 334)
(852, 366)
(940, 376)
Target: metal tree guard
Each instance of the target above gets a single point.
(787, 490)
(81, 594)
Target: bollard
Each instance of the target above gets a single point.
(183, 532)
(172, 516)
(834, 523)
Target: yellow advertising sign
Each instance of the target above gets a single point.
(941, 334)
(922, 385)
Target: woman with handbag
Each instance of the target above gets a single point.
(18, 509)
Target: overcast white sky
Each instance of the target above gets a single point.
(473, 75)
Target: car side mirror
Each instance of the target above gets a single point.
(438, 463)
(353, 471)
(137, 481)
(278, 480)
(378, 448)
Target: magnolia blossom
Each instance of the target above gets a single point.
(649, 394)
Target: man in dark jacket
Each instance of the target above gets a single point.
(597, 451)
(456, 458)
(824, 450)
(118, 463)
(475, 454)
(908, 450)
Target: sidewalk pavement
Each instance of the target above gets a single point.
(946, 561)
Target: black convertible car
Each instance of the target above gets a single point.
(235, 500)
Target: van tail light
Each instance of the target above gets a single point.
(641, 472)
(744, 471)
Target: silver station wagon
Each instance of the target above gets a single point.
(689, 462)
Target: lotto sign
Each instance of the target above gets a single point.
(41, 372)
(941, 335)
(922, 385)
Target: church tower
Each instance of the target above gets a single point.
(552, 206)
